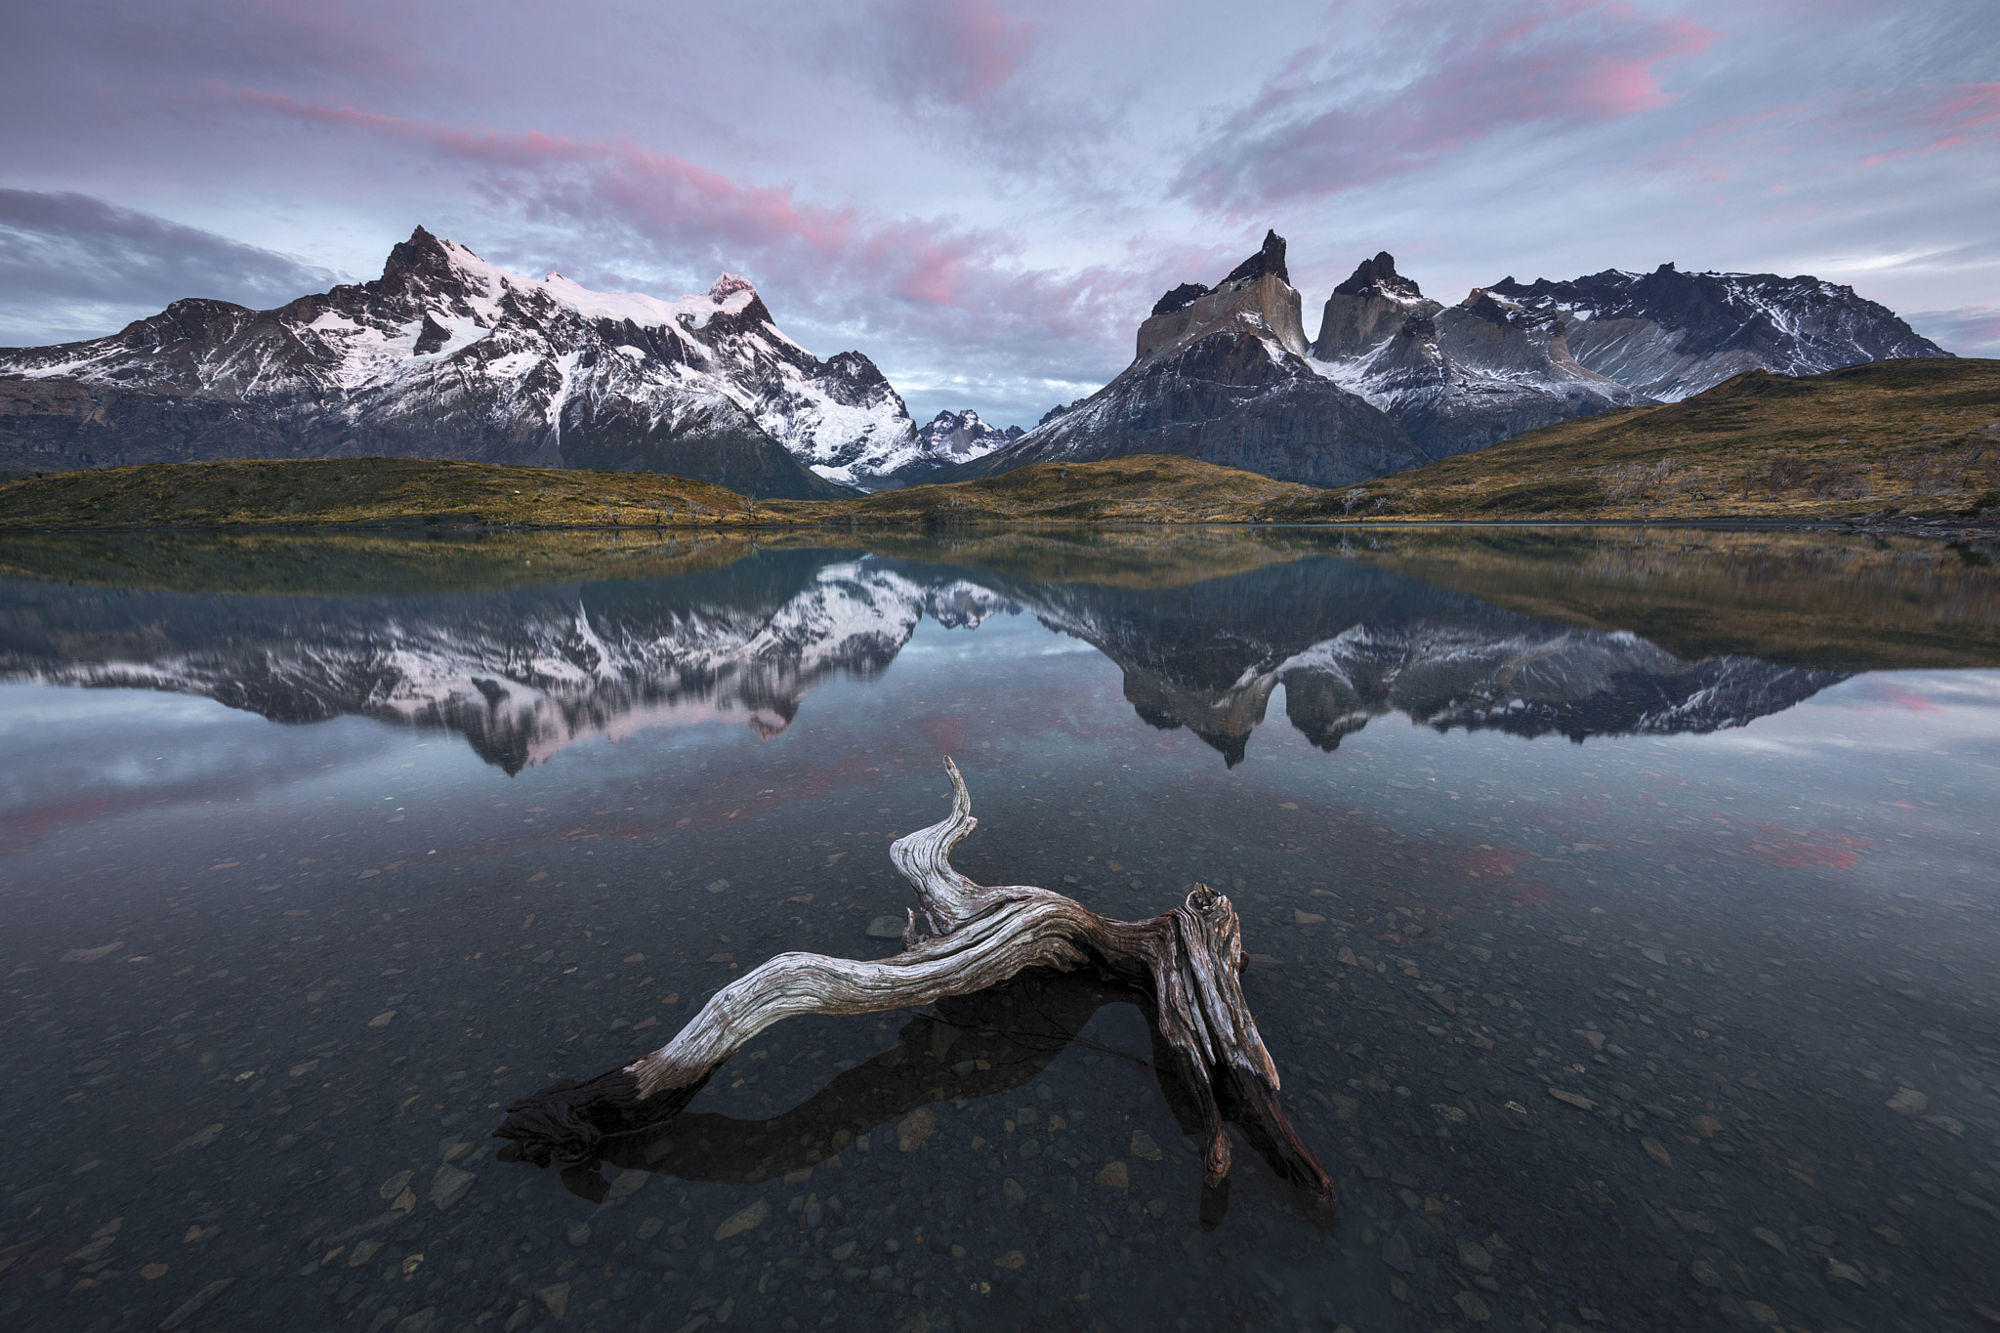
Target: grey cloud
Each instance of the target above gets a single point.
(1422, 83)
(1972, 330)
(72, 266)
(986, 196)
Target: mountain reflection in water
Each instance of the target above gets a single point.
(524, 673)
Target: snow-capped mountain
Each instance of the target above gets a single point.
(1456, 378)
(524, 674)
(446, 355)
(1669, 334)
(1225, 374)
(924, 455)
(951, 438)
(1222, 374)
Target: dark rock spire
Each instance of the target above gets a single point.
(1269, 259)
(1377, 274)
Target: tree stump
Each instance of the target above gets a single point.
(1187, 961)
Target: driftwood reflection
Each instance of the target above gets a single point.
(966, 1046)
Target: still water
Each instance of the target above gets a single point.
(1622, 911)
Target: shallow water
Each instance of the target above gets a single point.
(1622, 911)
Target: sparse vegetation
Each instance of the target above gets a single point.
(1151, 488)
(364, 491)
(1890, 438)
(1894, 437)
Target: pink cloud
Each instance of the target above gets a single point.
(934, 281)
(1549, 64)
(678, 199)
(1959, 116)
(960, 51)
(1972, 330)
(1822, 141)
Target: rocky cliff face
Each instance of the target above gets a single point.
(1255, 299)
(1222, 374)
(1368, 309)
(1669, 334)
(1455, 378)
(448, 356)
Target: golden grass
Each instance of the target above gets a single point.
(1891, 437)
(1149, 488)
(348, 491)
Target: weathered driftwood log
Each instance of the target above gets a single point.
(965, 1046)
(1188, 960)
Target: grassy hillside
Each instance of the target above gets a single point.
(1905, 437)
(366, 560)
(389, 562)
(1152, 488)
(341, 491)
(1893, 438)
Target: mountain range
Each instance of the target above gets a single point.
(1670, 335)
(448, 356)
(1396, 379)
(1455, 378)
(1222, 374)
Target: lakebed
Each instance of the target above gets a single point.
(1620, 905)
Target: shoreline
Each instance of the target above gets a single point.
(1941, 527)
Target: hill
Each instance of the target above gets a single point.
(1886, 438)
(1148, 488)
(342, 491)
(1891, 439)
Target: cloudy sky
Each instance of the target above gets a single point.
(987, 195)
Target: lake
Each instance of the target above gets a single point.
(1622, 910)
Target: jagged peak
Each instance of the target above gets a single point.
(422, 250)
(728, 285)
(1498, 308)
(1378, 275)
(1270, 258)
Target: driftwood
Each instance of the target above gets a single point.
(1187, 960)
(965, 1046)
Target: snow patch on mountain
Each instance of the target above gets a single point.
(449, 355)
(1455, 378)
(1221, 374)
(1669, 334)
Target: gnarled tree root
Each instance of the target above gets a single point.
(1187, 960)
